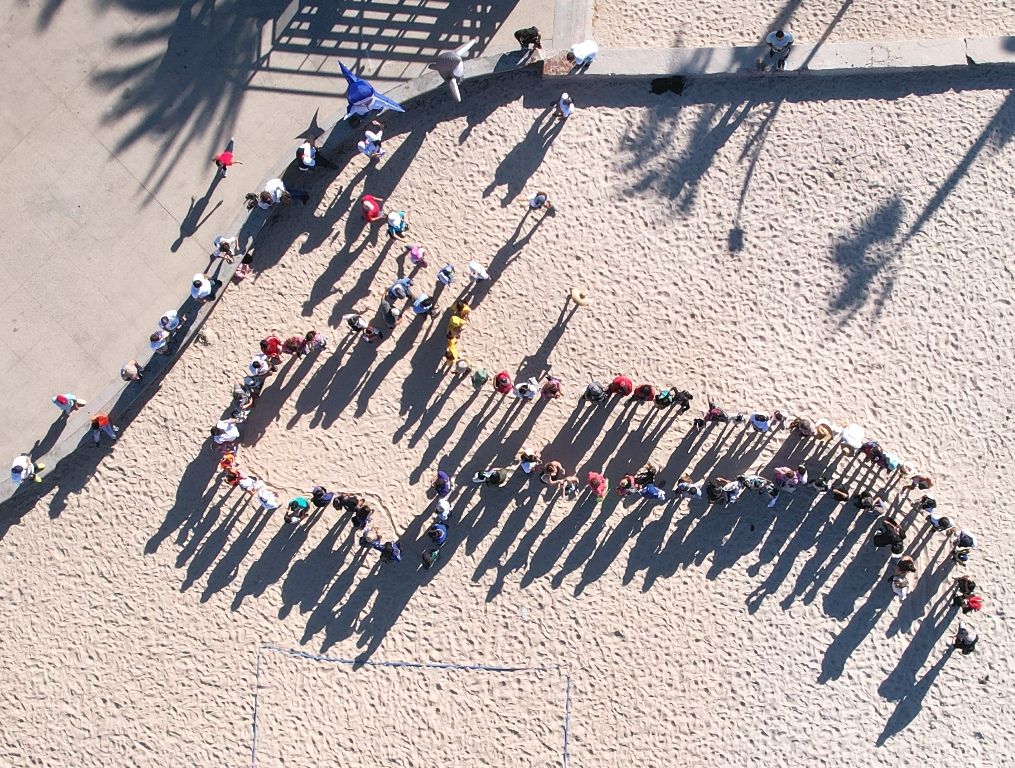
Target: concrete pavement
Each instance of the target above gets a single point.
(113, 110)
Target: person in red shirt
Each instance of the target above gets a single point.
(502, 383)
(621, 385)
(271, 347)
(373, 210)
(224, 159)
(645, 393)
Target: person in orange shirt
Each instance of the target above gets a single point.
(101, 423)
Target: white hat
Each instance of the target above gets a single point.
(394, 219)
(443, 507)
(565, 97)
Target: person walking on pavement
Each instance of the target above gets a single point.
(68, 403)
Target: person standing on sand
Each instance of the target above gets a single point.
(442, 484)
(890, 534)
(644, 393)
(564, 107)
(68, 403)
(502, 383)
(321, 497)
(529, 460)
(594, 392)
(527, 390)
(965, 639)
(621, 385)
(598, 484)
(372, 208)
(398, 224)
(963, 542)
(540, 200)
(23, 468)
(552, 388)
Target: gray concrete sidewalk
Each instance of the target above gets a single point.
(112, 113)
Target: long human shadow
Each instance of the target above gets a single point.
(867, 568)
(273, 562)
(227, 569)
(524, 159)
(901, 684)
(204, 550)
(196, 215)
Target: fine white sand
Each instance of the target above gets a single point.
(869, 280)
(679, 23)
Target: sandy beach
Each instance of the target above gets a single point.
(677, 23)
(835, 249)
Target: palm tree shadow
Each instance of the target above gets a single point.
(866, 261)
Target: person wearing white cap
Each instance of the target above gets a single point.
(565, 106)
(583, 53)
(22, 469)
(443, 510)
(398, 224)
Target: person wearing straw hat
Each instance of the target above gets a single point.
(579, 296)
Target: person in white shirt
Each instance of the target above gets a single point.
(159, 342)
(22, 469)
(583, 53)
(371, 144)
(275, 192)
(170, 320)
(225, 432)
(225, 248)
(306, 154)
(779, 44)
(564, 107)
(200, 287)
